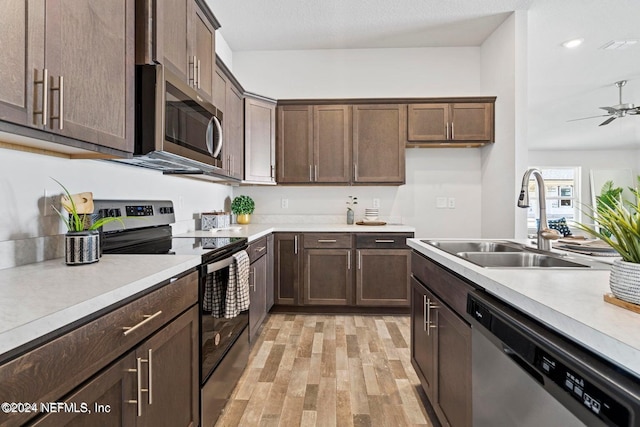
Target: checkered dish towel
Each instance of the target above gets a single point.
(228, 301)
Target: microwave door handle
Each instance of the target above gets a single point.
(218, 137)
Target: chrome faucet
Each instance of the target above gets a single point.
(544, 233)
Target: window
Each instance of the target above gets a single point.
(562, 195)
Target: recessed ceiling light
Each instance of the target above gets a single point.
(572, 43)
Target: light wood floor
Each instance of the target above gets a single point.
(316, 370)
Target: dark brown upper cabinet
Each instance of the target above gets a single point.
(379, 139)
(314, 144)
(259, 139)
(68, 69)
(181, 36)
(457, 123)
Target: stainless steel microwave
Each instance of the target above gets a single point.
(177, 131)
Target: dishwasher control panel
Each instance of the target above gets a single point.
(582, 390)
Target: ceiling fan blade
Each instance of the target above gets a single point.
(609, 120)
(592, 117)
(609, 110)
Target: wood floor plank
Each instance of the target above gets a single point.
(323, 370)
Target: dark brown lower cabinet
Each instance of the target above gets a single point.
(257, 295)
(328, 277)
(157, 383)
(382, 277)
(441, 356)
(287, 252)
(270, 266)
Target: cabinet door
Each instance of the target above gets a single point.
(379, 139)
(204, 52)
(170, 372)
(270, 269)
(332, 143)
(89, 52)
(382, 277)
(295, 144)
(108, 396)
(472, 122)
(287, 252)
(453, 391)
(423, 339)
(172, 36)
(259, 134)
(257, 295)
(234, 132)
(428, 122)
(22, 35)
(328, 277)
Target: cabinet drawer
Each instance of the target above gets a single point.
(449, 287)
(257, 249)
(52, 370)
(327, 240)
(382, 240)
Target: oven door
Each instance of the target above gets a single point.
(218, 334)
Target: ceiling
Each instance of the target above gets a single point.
(563, 84)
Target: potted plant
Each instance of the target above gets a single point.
(617, 222)
(243, 207)
(82, 240)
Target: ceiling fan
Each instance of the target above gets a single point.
(615, 111)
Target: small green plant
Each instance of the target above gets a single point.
(608, 194)
(618, 223)
(242, 205)
(75, 221)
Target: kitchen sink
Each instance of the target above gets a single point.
(455, 246)
(506, 254)
(519, 260)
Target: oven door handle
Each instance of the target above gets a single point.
(219, 265)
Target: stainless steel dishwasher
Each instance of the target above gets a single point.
(525, 375)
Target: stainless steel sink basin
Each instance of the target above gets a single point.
(455, 246)
(519, 260)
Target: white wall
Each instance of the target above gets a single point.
(28, 236)
(366, 73)
(224, 51)
(504, 73)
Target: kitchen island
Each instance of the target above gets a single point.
(568, 301)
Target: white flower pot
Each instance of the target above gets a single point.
(82, 247)
(625, 281)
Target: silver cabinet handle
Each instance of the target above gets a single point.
(327, 240)
(427, 308)
(385, 241)
(150, 373)
(192, 65)
(295, 244)
(311, 173)
(315, 167)
(424, 313)
(138, 400)
(446, 126)
(452, 133)
(260, 249)
(359, 260)
(60, 90)
(148, 318)
(349, 260)
(45, 97)
(355, 171)
(198, 81)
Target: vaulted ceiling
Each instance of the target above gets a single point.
(563, 84)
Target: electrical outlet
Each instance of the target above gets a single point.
(451, 203)
(441, 202)
(376, 203)
(284, 203)
(48, 203)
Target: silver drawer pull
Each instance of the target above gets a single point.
(327, 240)
(45, 96)
(148, 318)
(385, 241)
(261, 249)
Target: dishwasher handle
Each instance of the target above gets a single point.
(523, 364)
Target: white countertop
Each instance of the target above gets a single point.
(255, 231)
(37, 299)
(569, 301)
